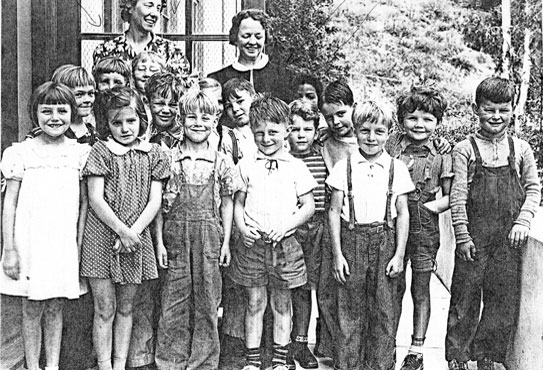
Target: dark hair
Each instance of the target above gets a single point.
(256, 14)
(372, 112)
(51, 93)
(112, 64)
(127, 5)
(117, 98)
(495, 89)
(307, 79)
(73, 76)
(305, 110)
(164, 84)
(268, 108)
(232, 86)
(337, 92)
(422, 98)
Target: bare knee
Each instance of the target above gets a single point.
(257, 302)
(281, 302)
(32, 310)
(104, 308)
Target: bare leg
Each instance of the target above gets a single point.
(282, 312)
(123, 323)
(52, 330)
(32, 313)
(257, 301)
(103, 291)
(420, 291)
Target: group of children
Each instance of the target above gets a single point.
(192, 180)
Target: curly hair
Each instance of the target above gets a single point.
(421, 98)
(127, 5)
(305, 110)
(256, 14)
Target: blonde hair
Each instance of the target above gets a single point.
(195, 99)
(373, 112)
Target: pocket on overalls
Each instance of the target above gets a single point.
(212, 239)
(172, 233)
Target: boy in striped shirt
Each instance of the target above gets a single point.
(304, 121)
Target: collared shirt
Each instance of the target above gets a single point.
(196, 168)
(90, 137)
(494, 153)
(273, 185)
(168, 139)
(119, 149)
(172, 55)
(370, 186)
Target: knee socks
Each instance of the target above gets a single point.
(279, 355)
(252, 357)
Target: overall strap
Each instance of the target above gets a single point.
(212, 178)
(235, 147)
(478, 158)
(511, 157)
(350, 193)
(388, 216)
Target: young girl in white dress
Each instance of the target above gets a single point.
(44, 214)
(124, 177)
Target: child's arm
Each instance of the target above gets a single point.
(442, 146)
(341, 268)
(249, 234)
(301, 216)
(227, 215)
(83, 207)
(129, 237)
(160, 249)
(395, 266)
(11, 254)
(441, 204)
(151, 209)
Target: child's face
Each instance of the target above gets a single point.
(163, 110)
(144, 69)
(124, 124)
(237, 109)
(338, 116)
(107, 81)
(270, 137)
(308, 93)
(302, 135)
(494, 118)
(54, 119)
(419, 125)
(198, 125)
(84, 98)
(371, 138)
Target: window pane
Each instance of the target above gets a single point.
(210, 56)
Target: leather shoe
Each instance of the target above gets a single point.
(303, 355)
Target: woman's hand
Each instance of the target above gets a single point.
(11, 264)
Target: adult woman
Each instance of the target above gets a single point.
(250, 32)
(142, 16)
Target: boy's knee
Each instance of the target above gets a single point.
(105, 309)
(125, 309)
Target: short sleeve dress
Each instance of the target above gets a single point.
(128, 173)
(45, 219)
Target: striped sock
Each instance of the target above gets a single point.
(279, 355)
(252, 357)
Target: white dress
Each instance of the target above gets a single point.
(45, 219)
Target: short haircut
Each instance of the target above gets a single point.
(337, 92)
(209, 83)
(127, 5)
(234, 85)
(495, 89)
(165, 84)
(307, 79)
(51, 92)
(196, 99)
(116, 98)
(305, 110)
(268, 108)
(258, 15)
(73, 76)
(148, 55)
(421, 98)
(112, 64)
(373, 112)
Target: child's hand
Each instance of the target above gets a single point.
(250, 235)
(442, 146)
(130, 240)
(11, 264)
(394, 267)
(225, 257)
(518, 235)
(276, 235)
(466, 251)
(323, 134)
(161, 256)
(341, 269)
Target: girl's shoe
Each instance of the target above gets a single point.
(413, 361)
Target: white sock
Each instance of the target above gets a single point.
(415, 349)
(51, 368)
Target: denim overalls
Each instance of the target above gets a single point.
(367, 315)
(495, 199)
(187, 333)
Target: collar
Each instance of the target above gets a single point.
(181, 154)
(125, 40)
(283, 156)
(497, 139)
(383, 160)
(404, 143)
(119, 149)
(260, 64)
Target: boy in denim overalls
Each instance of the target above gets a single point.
(494, 196)
(194, 241)
(369, 224)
